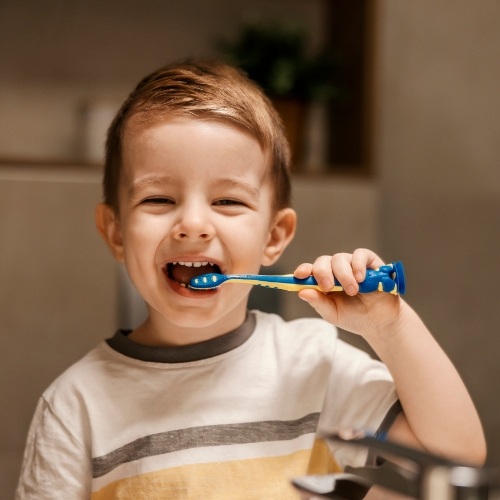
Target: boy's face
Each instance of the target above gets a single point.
(193, 192)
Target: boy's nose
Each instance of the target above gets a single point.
(194, 223)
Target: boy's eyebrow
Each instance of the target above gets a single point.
(150, 180)
(252, 190)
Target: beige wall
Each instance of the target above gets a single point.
(57, 291)
(437, 153)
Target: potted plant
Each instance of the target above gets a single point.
(277, 56)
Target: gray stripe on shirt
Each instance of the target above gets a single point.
(210, 435)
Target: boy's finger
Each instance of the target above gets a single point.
(303, 270)
(322, 271)
(342, 269)
(362, 259)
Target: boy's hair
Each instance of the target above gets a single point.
(205, 90)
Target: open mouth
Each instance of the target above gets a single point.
(183, 272)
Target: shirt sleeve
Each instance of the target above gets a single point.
(361, 396)
(55, 465)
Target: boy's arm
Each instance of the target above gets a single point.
(439, 415)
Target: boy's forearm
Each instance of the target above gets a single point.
(438, 409)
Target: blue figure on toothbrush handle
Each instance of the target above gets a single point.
(388, 278)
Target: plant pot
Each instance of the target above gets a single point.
(293, 114)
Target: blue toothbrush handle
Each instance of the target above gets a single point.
(388, 278)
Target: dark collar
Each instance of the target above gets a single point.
(183, 354)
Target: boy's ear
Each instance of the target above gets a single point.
(280, 234)
(108, 226)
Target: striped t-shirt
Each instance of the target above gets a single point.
(233, 417)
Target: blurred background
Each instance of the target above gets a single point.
(396, 148)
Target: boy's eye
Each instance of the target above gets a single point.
(226, 202)
(158, 200)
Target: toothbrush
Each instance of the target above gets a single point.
(388, 278)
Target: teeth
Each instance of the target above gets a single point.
(193, 264)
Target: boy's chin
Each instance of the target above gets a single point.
(211, 309)
(201, 326)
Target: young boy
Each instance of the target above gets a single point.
(206, 399)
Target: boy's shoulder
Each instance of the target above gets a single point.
(81, 375)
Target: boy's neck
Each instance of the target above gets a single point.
(156, 332)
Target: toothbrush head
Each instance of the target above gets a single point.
(207, 281)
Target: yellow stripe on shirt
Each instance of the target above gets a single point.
(244, 479)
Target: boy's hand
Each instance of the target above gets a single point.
(365, 314)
